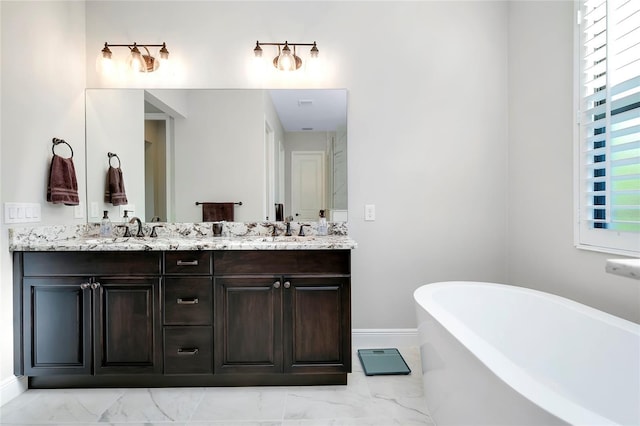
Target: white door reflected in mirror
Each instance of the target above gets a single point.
(307, 184)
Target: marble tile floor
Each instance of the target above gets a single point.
(365, 400)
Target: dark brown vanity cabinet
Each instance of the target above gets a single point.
(182, 318)
(87, 313)
(283, 312)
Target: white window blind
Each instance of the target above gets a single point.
(609, 125)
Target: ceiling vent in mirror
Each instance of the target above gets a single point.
(287, 60)
(137, 61)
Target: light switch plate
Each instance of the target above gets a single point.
(21, 212)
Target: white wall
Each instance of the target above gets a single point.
(42, 96)
(427, 120)
(541, 215)
(219, 153)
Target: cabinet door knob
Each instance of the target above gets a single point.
(187, 351)
(276, 284)
(95, 285)
(187, 300)
(287, 284)
(85, 285)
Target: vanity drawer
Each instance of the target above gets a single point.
(188, 350)
(92, 263)
(187, 300)
(229, 262)
(187, 262)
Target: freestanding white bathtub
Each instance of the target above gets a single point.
(496, 354)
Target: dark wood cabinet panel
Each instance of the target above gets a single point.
(248, 314)
(188, 350)
(187, 262)
(51, 264)
(317, 324)
(294, 322)
(188, 300)
(57, 332)
(127, 314)
(328, 262)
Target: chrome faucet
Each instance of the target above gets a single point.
(139, 222)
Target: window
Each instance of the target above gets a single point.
(608, 176)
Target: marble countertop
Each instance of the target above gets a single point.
(193, 243)
(629, 268)
(236, 236)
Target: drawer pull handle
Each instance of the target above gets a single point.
(187, 351)
(187, 301)
(187, 263)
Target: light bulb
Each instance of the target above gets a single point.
(163, 57)
(136, 61)
(257, 51)
(104, 63)
(286, 61)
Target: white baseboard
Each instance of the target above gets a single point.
(12, 387)
(384, 338)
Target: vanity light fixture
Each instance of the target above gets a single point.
(286, 60)
(137, 61)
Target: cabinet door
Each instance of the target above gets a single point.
(127, 326)
(317, 324)
(248, 317)
(57, 326)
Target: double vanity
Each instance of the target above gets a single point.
(182, 309)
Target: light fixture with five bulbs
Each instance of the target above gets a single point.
(286, 60)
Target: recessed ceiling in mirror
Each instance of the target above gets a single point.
(311, 110)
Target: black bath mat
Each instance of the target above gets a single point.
(382, 361)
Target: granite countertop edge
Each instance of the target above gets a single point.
(181, 236)
(176, 244)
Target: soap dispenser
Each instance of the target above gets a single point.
(105, 225)
(322, 224)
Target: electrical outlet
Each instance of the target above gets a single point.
(78, 211)
(95, 211)
(369, 212)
